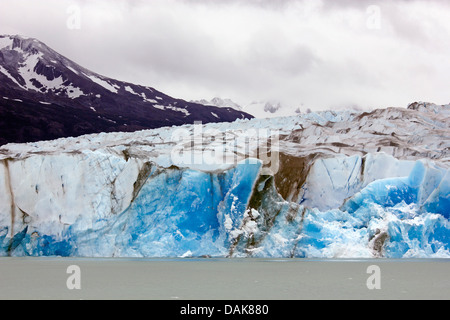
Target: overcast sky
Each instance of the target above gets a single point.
(317, 54)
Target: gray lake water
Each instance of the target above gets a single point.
(224, 279)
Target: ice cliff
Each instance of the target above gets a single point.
(326, 184)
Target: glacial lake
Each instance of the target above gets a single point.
(223, 279)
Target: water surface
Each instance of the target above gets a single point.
(227, 279)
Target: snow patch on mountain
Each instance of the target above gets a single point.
(5, 42)
(102, 83)
(6, 73)
(74, 92)
(184, 111)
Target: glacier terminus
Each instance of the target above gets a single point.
(344, 184)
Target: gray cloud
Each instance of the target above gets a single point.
(318, 53)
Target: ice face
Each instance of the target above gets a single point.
(176, 211)
(184, 212)
(347, 175)
(439, 200)
(425, 186)
(180, 211)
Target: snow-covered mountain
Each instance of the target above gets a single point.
(270, 109)
(329, 184)
(258, 109)
(44, 95)
(219, 102)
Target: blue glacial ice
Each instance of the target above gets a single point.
(427, 187)
(184, 212)
(177, 212)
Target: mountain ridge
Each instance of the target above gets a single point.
(45, 96)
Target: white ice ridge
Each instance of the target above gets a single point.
(342, 185)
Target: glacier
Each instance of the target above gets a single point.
(345, 185)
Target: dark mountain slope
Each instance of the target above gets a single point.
(44, 95)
